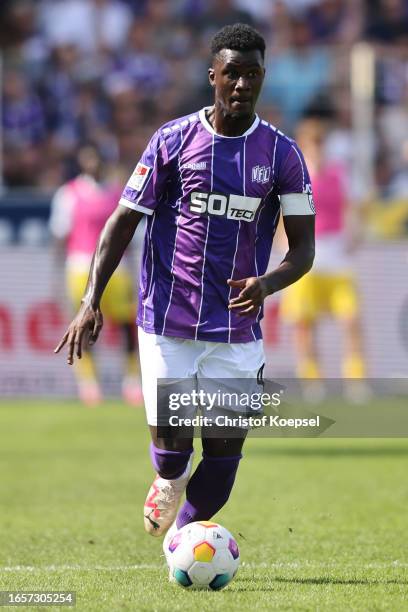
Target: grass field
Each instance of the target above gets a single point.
(321, 524)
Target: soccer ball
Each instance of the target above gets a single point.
(203, 555)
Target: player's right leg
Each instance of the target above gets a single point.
(172, 459)
(163, 357)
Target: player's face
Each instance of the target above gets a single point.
(90, 161)
(237, 78)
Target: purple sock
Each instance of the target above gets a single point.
(169, 464)
(208, 489)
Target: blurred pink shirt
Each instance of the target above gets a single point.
(79, 211)
(330, 198)
(92, 205)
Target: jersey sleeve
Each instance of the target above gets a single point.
(145, 186)
(295, 188)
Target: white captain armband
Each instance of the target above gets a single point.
(298, 203)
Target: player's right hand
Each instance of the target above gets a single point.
(83, 331)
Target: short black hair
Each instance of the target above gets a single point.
(238, 37)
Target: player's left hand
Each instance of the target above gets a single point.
(250, 298)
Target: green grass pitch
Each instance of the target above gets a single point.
(321, 524)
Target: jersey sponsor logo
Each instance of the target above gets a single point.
(195, 165)
(240, 208)
(308, 191)
(139, 176)
(261, 174)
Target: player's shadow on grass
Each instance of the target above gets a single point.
(258, 584)
(319, 580)
(345, 581)
(384, 451)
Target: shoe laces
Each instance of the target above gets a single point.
(167, 494)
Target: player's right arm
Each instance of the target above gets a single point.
(140, 197)
(115, 237)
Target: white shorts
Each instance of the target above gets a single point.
(178, 358)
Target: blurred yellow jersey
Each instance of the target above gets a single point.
(117, 302)
(319, 293)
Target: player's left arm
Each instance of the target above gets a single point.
(299, 223)
(298, 260)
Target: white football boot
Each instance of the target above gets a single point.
(163, 500)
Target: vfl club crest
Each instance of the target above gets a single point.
(261, 174)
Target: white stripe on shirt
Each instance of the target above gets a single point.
(206, 240)
(175, 239)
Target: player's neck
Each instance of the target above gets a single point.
(225, 125)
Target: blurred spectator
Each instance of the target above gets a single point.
(23, 129)
(59, 91)
(113, 70)
(219, 13)
(21, 38)
(389, 22)
(141, 63)
(23, 117)
(261, 10)
(392, 74)
(296, 75)
(92, 25)
(335, 21)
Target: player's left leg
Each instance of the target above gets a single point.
(211, 484)
(233, 367)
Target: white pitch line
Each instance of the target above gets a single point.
(244, 565)
(58, 568)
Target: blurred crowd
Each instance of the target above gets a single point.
(111, 71)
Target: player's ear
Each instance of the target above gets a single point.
(211, 76)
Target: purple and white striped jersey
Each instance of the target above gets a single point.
(212, 205)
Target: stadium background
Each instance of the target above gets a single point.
(113, 71)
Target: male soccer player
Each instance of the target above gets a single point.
(79, 211)
(211, 185)
(329, 289)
